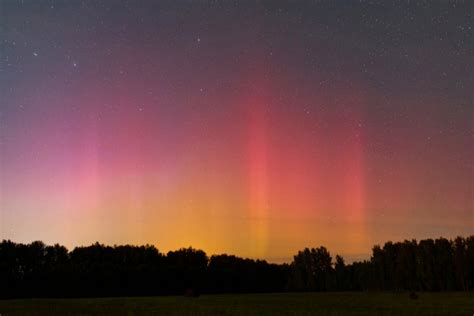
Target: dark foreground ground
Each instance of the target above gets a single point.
(333, 304)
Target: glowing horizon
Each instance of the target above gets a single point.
(183, 128)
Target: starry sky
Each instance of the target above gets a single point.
(254, 128)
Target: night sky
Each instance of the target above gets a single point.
(255, 128)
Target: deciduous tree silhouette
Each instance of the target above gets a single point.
(37, 270)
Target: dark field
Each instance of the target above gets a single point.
(253, 304)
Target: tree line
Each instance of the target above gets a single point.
(38, 270)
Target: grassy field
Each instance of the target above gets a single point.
(252, 304)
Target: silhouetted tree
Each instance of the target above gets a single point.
(37, 270)
(231, 274)
(425, 265)
(379, 267)
(311, 270)
(460, 263)
(444, 267)
(186, 269)
(469, 270)
(340, 274)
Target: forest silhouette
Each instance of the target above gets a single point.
(38, 270)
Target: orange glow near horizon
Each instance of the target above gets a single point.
(178, 125)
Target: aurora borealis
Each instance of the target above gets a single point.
(248, 127)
